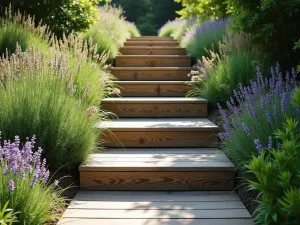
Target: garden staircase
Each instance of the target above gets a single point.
(159, 166)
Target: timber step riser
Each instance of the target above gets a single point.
(151, 39)
(152, 43)
(156, 139)
(155, 74)
(147, 110)
(153, 61)
(152, 51)
(153, 90)
(163, 181)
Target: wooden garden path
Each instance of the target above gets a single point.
(159, 167)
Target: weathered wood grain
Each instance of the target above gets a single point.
(131, 109)
(153, 61)
(152, 73)
(153, 88)
(151, 38)
(152, 43)
(160, 139)
(131, 50)
(220, 180)
(121, 221)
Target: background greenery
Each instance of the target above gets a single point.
(149, 15)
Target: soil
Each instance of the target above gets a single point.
(69, 182)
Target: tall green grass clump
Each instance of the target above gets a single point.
(22, 30)
(169, 28)
(220, 74)
(204, 38)
(132, 29)
(41, 98)
(111, 31)
(24, 187)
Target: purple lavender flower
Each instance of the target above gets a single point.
(23, 162)
(258, 145)
(11, 185)
(270, 142)
(246, 129)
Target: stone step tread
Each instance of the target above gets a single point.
(160, 150)
(153, 100)
(161, 124)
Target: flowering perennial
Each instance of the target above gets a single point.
(256, 112)
(23, 161)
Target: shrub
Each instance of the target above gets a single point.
(63, 16)
(262, 108)
(22, 30)
(273, 24)
(278, 180)
(110, 32)
(226, 74)
(202, 9)
(24, 176)
(204, 37)
(132, 29)
(43, 106)
(170, 27)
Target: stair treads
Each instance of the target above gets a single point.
(158, 162)
(152, 213)
(188, 69)
(207, 151)
(154, 205)
(160, 196)
(155, 100)
(161, 124)
(80, 221)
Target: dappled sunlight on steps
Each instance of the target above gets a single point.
(159, 166)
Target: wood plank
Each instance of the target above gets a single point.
(153, 61)
(150, 139)
(166, 110)
(157, 196)
(140, 50)
(151, 38)
(79, 221)
(101, 166)
(159, 124)
(207, 151)
(154, 205)
(152, 43)
(152, 73)
(181, 100)
(220, 180)
(148, 88)
(155, 214)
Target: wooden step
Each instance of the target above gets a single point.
(164, 171)
(140, 50)
(156, 208)
(152, 43)
(152, 73)
(156, 106)
(153, 61)
(153, 88)
(151, 38)
(159, 132)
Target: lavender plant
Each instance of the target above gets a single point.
(24, 177)
(204, 37)
(255, 112)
